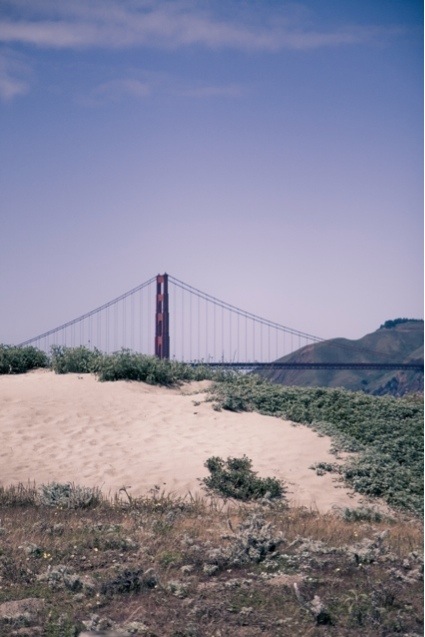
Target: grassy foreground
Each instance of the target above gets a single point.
(171, 567)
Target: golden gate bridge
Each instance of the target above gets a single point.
(170, 319)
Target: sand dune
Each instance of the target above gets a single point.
(74, 428)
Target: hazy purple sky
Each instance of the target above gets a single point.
(269, 153)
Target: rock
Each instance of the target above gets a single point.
(23, 612)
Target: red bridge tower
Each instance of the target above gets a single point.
(162, 333)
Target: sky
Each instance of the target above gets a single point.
(268, 153)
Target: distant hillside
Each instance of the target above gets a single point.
(399, 340)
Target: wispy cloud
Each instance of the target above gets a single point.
(15, 76)
(143, 84)
(204, 92)
(117, 90)
(161, 23)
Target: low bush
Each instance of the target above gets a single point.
(234, 478)
(122, 365)
(69, 496)
(255, 540)
(364, 514)
(75, 360)
(18, 360)
(125, 582)
(127, 365)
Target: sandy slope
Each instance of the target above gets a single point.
(74, 428)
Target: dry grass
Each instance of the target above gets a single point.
(170, 567)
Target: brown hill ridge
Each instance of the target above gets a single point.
(396, 341)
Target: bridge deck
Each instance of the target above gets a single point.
(419, 367)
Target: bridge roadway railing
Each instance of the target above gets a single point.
(418, 367)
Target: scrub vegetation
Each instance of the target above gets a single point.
(121, 365)
(163, 566)
(19, 360)
(125, 365)
(234, 478)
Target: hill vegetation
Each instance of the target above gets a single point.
(393, 323)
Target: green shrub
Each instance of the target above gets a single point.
(18, 360)
(398, 321)
(69, 496)
(75, 360)
(322, 468)
(127, 365)
(127, 581)
(363, 514)
(234, 478)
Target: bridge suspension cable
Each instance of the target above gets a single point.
(304, 338)
(212, 330)
(242, 313)
(97, 311)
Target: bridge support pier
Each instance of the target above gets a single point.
(162, 333)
